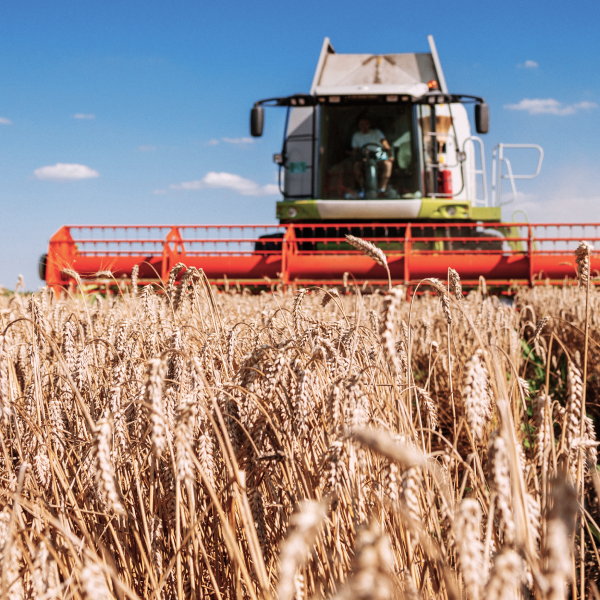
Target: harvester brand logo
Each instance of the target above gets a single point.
(297, 167)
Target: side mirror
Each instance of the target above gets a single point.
(257, 121)
(482, 118)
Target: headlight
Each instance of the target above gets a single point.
(292, 212)
(451, 211)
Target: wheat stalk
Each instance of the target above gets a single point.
(295, 551)
(469, 547)
(105, 478)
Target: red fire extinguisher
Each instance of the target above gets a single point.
(445, 183)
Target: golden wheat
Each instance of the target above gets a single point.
(192, 442)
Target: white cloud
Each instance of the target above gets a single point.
(568, 195)
(159, 192)
(230, 181)
(550, 106)
(242, 140)
(83, 116)
(585, 105)
(146, 148)
(521, 201)
(4, 121)
(227, 140)
(572, 208)
(529, 64)
(65, 172)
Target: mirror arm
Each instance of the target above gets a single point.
(298, 100)
(449, 98)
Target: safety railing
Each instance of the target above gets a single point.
(471, 184)
(121, 240)
(504, 253)
(498, 160)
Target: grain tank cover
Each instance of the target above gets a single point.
(372, 74)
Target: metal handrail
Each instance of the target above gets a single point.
(476, 171)
(540, 158)
(333, 225)
(510, 177)
(498, 158)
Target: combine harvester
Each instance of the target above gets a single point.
(379, 149)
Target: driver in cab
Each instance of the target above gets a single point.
(365, 141)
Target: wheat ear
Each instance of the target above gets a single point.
(582, 258)
(295, 551)
(372, 251)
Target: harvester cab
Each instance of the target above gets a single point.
(380, 138)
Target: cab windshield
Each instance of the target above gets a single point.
(368, 152)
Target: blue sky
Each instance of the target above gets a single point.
(146, 96)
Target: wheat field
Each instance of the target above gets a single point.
(194, 442)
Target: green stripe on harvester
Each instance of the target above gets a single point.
(298, 210)
(432, 209)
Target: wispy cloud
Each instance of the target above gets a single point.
(529, 64)
(550, 106)
(65, 172)
(567, 195)
(230, 181)
(4, 121)
(146, 148)
(159, 192)
(241, 140)
(228, 140)
(83, 116)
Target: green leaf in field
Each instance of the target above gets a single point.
(534, 359)
(594, 531)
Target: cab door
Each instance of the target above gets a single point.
(299, 153)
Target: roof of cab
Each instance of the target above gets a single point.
(367, 74)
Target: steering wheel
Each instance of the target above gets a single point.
(371, 147)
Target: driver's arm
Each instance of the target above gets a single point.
(385, 144)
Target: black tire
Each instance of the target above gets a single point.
(273, 246)
(468, 232)
(42, 266)
(340, 233)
